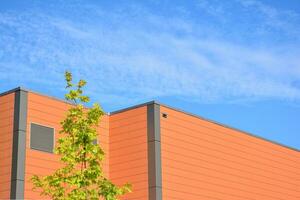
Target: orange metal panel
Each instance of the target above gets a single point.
(205, 160)
(128, 151)
(6, 133)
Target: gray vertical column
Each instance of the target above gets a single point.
(154, 152)
(19, 145)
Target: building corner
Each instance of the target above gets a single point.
(154, 152)
(19, 144)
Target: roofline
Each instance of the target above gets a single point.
(34, 92)
(133, 107)
(161, 104)
(12, 91)
(230, 127)
(203, 118)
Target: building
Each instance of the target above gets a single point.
(164, 152)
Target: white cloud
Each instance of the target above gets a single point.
(273, 17)
(132, 61)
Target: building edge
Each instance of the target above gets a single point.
(206, 119)
(19, 144)
(159, 103)
(154, 152)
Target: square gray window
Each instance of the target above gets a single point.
(41, 138)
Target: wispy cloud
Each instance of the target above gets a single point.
(280, 19)
(136, 55)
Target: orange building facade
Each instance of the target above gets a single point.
(163, 152)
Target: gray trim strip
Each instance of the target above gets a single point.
(11, 91)
(19, 145)
(38, 93)
(154, 152)
(132, 107)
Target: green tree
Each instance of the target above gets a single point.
(81, 176)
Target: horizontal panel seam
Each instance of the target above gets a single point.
(212, 155)
(181, 133)
(126, 132)
(131, 138)
(142, 158)
(246, 178)
(238, 189)
(231, 129)
(219, 164)
(119, 177)
(128, 125)
(127, 147)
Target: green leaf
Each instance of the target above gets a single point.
(81, 175)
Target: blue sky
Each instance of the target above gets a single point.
(236, 62)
